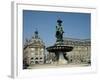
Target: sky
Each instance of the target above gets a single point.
(75, 25)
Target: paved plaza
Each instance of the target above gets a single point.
(37, 66)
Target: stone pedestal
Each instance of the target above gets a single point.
(61, 59)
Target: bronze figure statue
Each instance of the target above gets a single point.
(59, 31)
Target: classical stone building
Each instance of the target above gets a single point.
(81, 52)
(34, 51)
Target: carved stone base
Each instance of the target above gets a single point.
(61, 59)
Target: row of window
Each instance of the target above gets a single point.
(36, 58)
(77, 43)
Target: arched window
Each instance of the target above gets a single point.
(40, 57)
(36, 58)
(32, 58)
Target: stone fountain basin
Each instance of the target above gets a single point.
(60, 48)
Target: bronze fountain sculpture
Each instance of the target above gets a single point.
(59, 48)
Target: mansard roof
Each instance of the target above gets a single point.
(75, 41)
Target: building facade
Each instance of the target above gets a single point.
(34, 51)
(81, 52)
